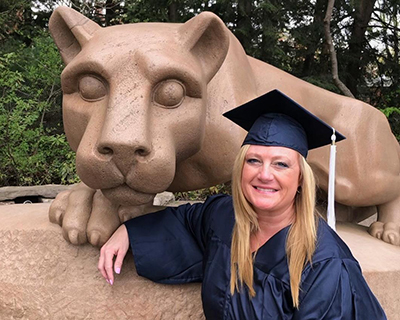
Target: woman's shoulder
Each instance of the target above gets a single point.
(332, 258)
(329, 245)
(221, 216)
(218, 200)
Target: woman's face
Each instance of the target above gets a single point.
(270, 178)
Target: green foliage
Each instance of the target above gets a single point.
(202, 194)
(33, 149)
(393, 115)
(390, 111)
(323, 82)
(12, 16)
(285, 33)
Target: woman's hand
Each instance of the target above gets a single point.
(117, 245)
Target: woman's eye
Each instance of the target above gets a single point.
(252, 161)
(282, 164)
(91, 88)
(169, 94)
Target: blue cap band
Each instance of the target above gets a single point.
(276, 129)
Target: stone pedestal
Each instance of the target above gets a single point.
(380, 263)
(44, 277)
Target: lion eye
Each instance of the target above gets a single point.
(91, 88)
(169, 94)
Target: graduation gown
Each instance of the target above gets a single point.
(191, 243)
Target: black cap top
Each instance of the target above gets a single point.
(274, 119)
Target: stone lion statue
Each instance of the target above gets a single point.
(142, 107)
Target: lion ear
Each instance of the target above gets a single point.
(207, 38)
(70, 31)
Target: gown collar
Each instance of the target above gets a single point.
(272, 252)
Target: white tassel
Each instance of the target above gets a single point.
(331, 187)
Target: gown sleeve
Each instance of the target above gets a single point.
(168, 245)
(336, 289)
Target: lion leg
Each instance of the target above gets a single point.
(58, 207)
(345, 213)
(387, 228)
(71, 210)
(86, 215)
(129, 212)
(103, 220)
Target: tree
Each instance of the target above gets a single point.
(358, 42)
(33, 149)
(334, 62)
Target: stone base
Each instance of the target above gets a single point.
(380, 263)
(44, 277)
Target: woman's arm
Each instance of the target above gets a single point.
(168, 245)
(117, 245)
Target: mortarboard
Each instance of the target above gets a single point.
(274, 119)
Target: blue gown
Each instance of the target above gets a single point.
(191, 243)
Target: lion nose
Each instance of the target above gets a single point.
(123, 156)
(109, 150)
(121, 142)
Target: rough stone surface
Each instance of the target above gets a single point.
(164, 198)
(50, 191)
(44, 277)
(46, 191)
(380, 263)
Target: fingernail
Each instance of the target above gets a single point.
(117, 270)
(108, 281)
(111, 282)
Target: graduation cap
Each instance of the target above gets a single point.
(274, 119)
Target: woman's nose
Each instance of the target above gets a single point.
(265, 173)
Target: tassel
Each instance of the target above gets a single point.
(331, 186)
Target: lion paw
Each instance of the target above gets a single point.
(388, 232)
(85, 215)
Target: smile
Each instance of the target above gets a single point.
(265, 189)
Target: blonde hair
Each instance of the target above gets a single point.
(301, 239)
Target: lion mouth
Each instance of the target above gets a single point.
(125, 195)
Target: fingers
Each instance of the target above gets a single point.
(119, 261)
(118, 246)
(105, 265)
(108, 266)
(100, 266)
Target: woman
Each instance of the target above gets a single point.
(265, 254)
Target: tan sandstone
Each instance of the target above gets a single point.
(44, 277)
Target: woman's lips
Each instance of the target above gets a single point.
(266, 190)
